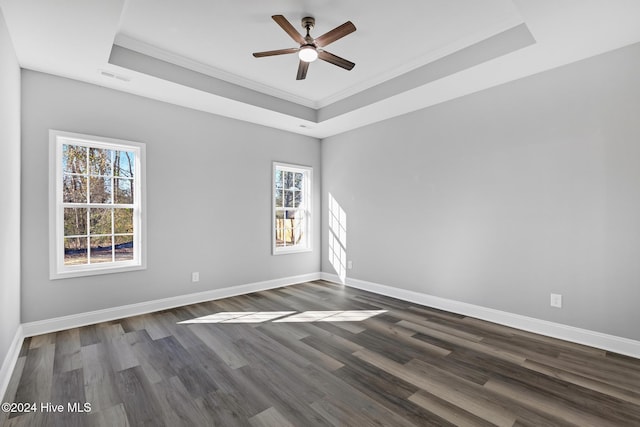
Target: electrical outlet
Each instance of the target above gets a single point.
(556, 300)
(195, 276)
(349, 265)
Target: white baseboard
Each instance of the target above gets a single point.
(607, 342)
(10, 360)
(82, 319)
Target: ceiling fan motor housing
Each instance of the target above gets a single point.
(308, 23)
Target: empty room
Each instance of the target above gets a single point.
(319, 213)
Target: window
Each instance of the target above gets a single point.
(291, 208)
(96, 205)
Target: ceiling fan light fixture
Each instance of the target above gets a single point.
(311, 48)
(308, 54)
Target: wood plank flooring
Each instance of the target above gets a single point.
(406, 365)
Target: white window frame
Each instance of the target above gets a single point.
(57, 269)
(306, 207)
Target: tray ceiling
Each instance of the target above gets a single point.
(408, 55)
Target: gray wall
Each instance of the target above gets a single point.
(495, 199)
(9, 192)
(502, 197)
(208, 197)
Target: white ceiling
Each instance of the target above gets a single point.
(409, 54)
(387, 38)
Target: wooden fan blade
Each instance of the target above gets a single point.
(288, 28)
(302, 70)
(275, 52)
(335, 34)
(335, 60)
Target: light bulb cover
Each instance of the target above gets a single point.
(308, 54)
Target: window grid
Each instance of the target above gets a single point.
(88, 178)
(97, 210)
(291, 208)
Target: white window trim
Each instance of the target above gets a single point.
(57, 269)
(309, 219)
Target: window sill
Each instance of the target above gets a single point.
(95, 271)
(281, 251)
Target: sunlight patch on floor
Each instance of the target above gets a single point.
(286, 316)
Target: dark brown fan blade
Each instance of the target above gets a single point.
(335, 60)
(288, 28)
(275, 52)
(302, 70)
(335, 34)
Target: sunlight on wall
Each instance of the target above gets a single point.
(338, 238)
(285, 316)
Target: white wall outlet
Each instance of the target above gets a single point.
(195, 276)
(556, 300)
(349, 265)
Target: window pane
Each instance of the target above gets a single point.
(288, 198)
(298, 180)
(100, 221)
(297, 235)
(123, 221)
(74, 159)
(279, 225)
(278, 178)
(75, 221)
(100, 161)
(124, 248)
(124, 164)
(101, 190)
(288, 179)
(279, 198)
(297, 198)
(74, 189)
(75, 251)
(101, 249)
(288, 232)
(124, 190)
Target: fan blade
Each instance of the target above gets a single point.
(335, 60)
(335, 34)
(275, 52)
(302, 70)
(288, 28)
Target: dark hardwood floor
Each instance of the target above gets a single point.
(269, 365)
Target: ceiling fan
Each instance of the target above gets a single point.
(311, 49)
